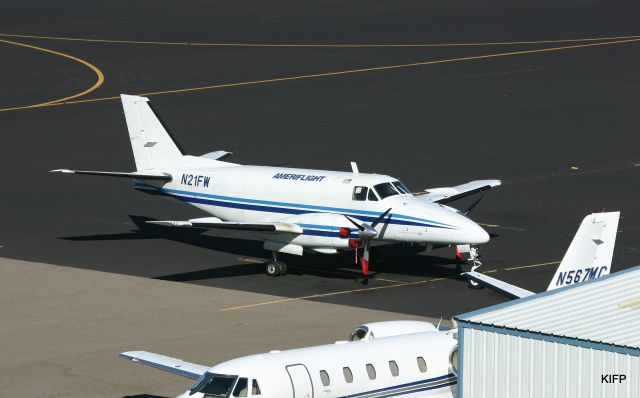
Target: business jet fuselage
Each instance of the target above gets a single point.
(409, 364)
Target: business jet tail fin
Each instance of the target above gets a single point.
(589, 256)
(591, 251)
(171, 365)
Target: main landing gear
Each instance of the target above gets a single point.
(275, 267)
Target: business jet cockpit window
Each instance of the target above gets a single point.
(358, 334)
(213, 385)
(242, 388)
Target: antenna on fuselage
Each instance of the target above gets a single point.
(354, 168)
(439, 322)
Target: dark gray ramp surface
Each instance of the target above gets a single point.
(524, 118)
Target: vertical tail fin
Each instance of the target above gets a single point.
(591, 251)
(152, 144)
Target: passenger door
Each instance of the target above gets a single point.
(300, 381)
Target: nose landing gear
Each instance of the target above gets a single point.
(475, 264)
(474, 255)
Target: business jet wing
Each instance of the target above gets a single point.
(589, 256)
(216, 223)
(449, 194)
(505, 288)
(171, 365)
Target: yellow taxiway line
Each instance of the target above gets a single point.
(318, 45)
(98, 72)
(336, 73)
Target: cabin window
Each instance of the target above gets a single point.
(348, 376)
(360, 193)
(241, 387)
(324, 378)
(385, 190)
(371, 371)
(422, 365)
(372, 196)
(255, 388)
(393, 366)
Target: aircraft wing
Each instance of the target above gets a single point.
(505, 288)
(216, 223)
(171, 365)
(136, 175)
(449, 194)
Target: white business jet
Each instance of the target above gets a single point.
(589, 256)
(384, 359)
(294, 210)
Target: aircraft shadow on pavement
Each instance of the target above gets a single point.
(397, 259)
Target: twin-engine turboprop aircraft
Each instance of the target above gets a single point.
(294, 210)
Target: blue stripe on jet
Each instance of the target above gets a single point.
(418, 387)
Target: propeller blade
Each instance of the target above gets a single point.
(360, 227)
(473, 206)
(380, 218)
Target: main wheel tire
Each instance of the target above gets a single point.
(281, 267)
(272, 269)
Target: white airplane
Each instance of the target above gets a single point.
(589, 256)
(383, 359)
(293, 210)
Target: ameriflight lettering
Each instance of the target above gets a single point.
(299, 177)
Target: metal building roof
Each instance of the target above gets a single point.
(604, 310)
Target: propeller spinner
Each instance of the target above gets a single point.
(366, 233)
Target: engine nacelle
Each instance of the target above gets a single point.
(323, 230)
(376, 330)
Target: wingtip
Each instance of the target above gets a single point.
(65, 171)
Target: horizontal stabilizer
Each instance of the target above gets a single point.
(136, 175)
(217, 155)
(171, 365)
(216, 223)
(449, 194)
(505, 288)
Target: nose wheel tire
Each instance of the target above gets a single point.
(275, 268)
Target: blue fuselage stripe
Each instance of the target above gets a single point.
(413, 387)
(207, 199)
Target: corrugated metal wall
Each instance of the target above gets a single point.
(499, 365)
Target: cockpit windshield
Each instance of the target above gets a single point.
(401, 187)
(387, 189)
(213, 385)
